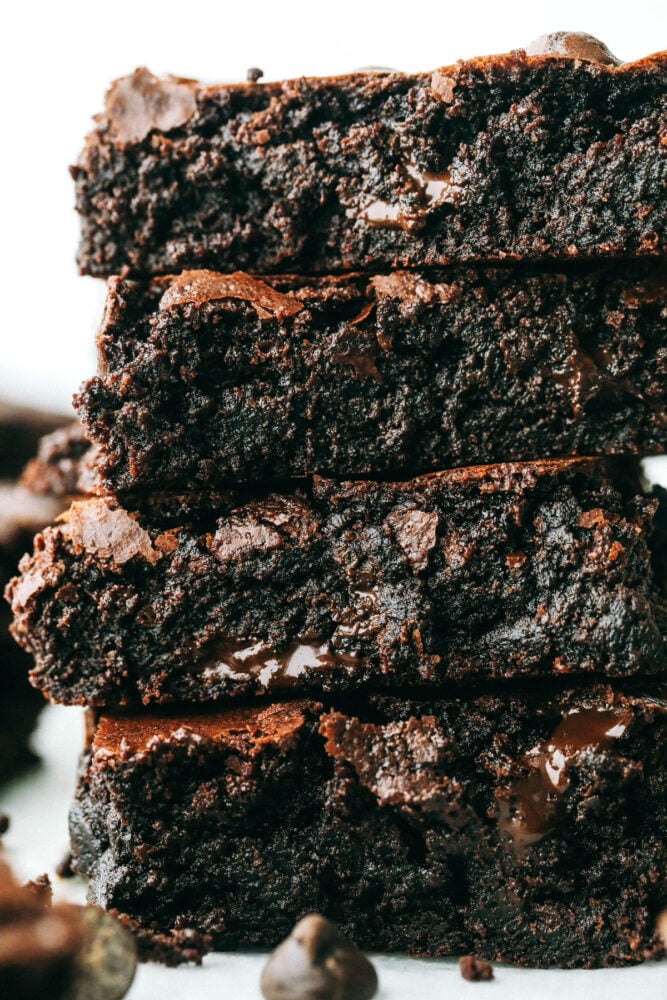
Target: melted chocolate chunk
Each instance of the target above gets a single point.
(531, 809)
(235, 658)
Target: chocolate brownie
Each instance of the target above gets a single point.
(208, 378)
(65, 464)
(61, 951)
(506, 571)
(523, 826)
(21, 515)
(551, 155)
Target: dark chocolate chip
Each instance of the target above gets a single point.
(317, 963)
(254, 74)
(574, 45)
(475, 970)
(107, 960)
(4, 823)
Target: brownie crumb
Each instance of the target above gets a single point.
(4, 824)
(317, 963)
(254, 74)
(475, 970)
(64, 867)
(41, 888)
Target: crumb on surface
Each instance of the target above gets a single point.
(474, 969)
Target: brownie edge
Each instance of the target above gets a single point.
(439, 827)
(206, 379)
(508, 571)
(504, 157)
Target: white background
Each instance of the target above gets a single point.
(56, 60)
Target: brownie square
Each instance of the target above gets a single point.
(207, 379)
(524, 826)
(515, 156)
(506, 571)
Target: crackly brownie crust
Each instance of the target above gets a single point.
(506, 571)
(508, 156)
(208, 378)
(523, 826)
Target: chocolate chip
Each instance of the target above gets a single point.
(4, 823)
(475, 970)
(254, 74)
(317, 963)
(574, 45)
(107, 960)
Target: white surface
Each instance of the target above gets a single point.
(58, 59)
(37, 840)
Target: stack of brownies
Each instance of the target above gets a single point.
(363, 627)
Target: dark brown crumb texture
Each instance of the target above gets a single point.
(207, 378)
(508, 156)
(65, 464)
(523, 827)
(526, 570)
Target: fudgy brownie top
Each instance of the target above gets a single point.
(569, 719)
(140, 103)
(244, 728)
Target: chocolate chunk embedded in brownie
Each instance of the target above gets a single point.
(524, 826)
(509, 156)
(206, 378)
(534, 569)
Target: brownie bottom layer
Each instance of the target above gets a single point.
(526, 827)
